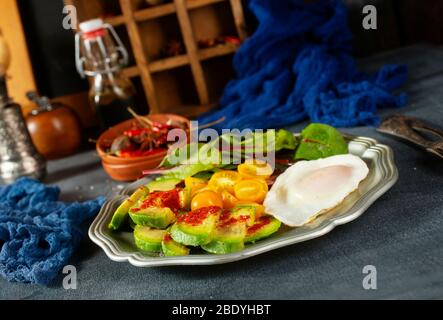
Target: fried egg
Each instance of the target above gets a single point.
(309, 188)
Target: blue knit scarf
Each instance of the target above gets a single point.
(298, 65)
(38, 234)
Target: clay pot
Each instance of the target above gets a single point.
(56, 133)
(129, 169)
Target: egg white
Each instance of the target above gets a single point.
(309, 188)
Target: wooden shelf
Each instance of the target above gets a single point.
(131, 72)
(194, 4)
(193, 111)
(168, 63)
(217, 51)
(154, 12)
(169, 8)
(115, 21)
(181, 60)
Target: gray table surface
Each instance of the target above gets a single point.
(401, 234)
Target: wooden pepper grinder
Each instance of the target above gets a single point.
(54, 128)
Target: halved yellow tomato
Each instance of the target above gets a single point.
(195, 184)
(254, 168)
(229, 201)
(224, 180)
(206, 198)
(259, 208)
(253, 190)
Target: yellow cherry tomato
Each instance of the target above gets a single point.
(253, 190)
(229, 201)
(259, 208)
(195, 184)
(206, 198)
(263, 183)
(224, 180)
(253, 168)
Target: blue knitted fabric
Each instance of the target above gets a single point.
(298, 64)
(38, 234)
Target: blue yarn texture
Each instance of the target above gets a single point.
(38, 233)
(298, 64)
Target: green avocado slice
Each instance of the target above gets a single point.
(196, 227)
(163, 185)
(246, 212)
(148, 239)
(173, 248)
(228, 236)
(121, 214)
(262, 228)
(154, 217)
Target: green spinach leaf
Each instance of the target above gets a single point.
(320, 141)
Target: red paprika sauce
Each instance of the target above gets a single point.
(259, 224)
(167, 238)
(226, 219)
(196, 217)
(162, 199)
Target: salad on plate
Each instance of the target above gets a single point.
(221, 206)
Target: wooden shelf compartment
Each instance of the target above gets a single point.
(108, 10)
(156, 35)
(193, 4)
(217, 72)
(181, 60)
(169, 8)
(213, 21)
(154, 12)
(193, 111)
(168, 63)
(217, 51)
(175, 88)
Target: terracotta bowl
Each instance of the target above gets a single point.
(128, 169)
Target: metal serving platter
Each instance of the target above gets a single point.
(119, 246)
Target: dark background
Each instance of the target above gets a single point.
(400, 23)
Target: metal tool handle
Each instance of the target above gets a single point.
(412, 129)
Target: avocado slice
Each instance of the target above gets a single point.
(131, 224)
(185, 197)
(229, 234)
(173, 248)
(155, 217)
(195, 228)
(262, 228)
(163, 185)
(121, 214)
(247, 213)
(148, 239)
